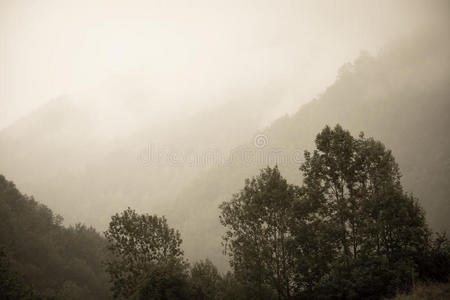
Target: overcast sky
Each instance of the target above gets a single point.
(50, 48)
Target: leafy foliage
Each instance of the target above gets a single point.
(427, 291)
(376, 233)
(140, 245)
(11, 285)
(54, 260)
(205, 280)
(258, 235)
(165, 280)
(349, 232)
(434, 265)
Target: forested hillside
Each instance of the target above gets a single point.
(348, 232)
(54, 261)
(400, 96)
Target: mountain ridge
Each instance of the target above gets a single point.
(374, 95)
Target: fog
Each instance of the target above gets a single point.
(180, 57)
(88, 87)
(115, 115)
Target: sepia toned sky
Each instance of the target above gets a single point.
(188, 52)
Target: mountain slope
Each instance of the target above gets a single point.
(401, 97)
(88, 158)
(56, 260)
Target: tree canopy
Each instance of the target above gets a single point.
(349, 232)
(140, 245)
(258, 235)
(45, 258)
(374, 232)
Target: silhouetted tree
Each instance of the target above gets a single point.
(349, 232)
(140, 245)
(231, 288)
(166, 280)
(435, 264)
(258, 236)
(374, 233)
(205, 280)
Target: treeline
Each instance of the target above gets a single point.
(42, 259)
(349, 232)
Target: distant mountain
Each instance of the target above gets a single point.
(400, 97)
(91, 155)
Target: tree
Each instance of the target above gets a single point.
(349, 232)
(205, 280)
(11, 285)
(140, 245)
(374, 232)
(258, 236)
(231, 288)
(435, 265)
(166, 280)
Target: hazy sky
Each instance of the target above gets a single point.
(185, 53)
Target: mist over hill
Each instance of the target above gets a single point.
(88, 156)
(224, 149)
(400, 96)
(67, 155)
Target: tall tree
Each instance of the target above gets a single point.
(140, 245)
(352, 189)
(258, 236)
(349, 232)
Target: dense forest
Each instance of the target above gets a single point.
(42, 255)
(349, 232)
